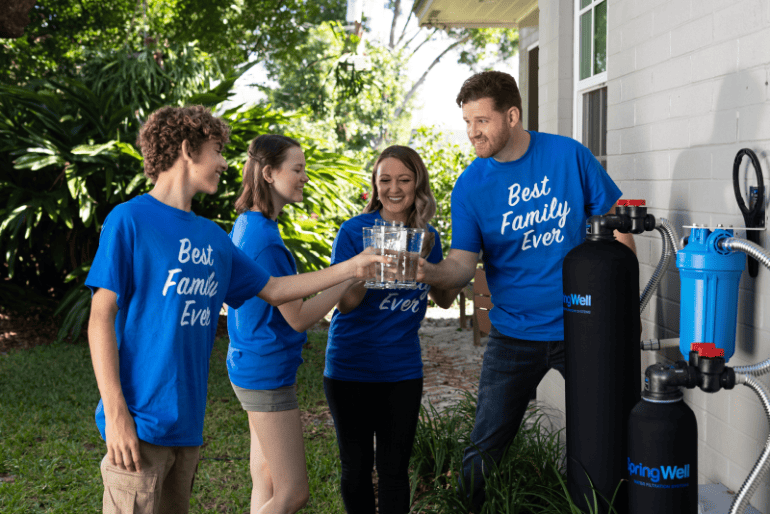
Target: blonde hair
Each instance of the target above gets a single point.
(424, 207)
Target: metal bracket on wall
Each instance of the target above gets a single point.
(754, 215)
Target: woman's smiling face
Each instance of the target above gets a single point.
(396, 186)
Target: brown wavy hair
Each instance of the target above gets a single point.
(265, 150)
(424, 207)
(497, 85)
(160, 138)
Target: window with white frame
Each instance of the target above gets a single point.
(590, 111)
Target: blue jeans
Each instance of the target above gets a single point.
(511, 371)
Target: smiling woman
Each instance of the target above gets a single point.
(373, 375)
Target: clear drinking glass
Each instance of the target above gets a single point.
(369, 242)
(407, 262)
(387, 242)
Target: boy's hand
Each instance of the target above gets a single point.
(122, 441)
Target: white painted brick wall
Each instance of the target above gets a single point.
(670, 15)
(653, 51)
(688, 87)
(556, 61)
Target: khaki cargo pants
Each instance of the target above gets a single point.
(162, 487)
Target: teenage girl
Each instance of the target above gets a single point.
(266, 342)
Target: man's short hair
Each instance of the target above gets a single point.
(160, 138)
(497, 85)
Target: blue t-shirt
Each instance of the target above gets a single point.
(526, 215)
(377, 341)
(171, 271)
(265, 351)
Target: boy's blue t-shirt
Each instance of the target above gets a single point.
(264, 351)
(377, 341)
(526, 215)
(171, 271)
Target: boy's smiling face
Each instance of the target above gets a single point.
(208, 166)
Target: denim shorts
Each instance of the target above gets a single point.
(267, 400)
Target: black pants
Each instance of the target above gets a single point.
(362, 410)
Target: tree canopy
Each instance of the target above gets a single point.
(63, 33)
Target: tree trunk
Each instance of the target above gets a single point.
(419, 83)
(396, 14)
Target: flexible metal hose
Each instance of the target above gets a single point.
(669, 242)
(747, 247)
(760, 254)
(745, 375)
(751, 484)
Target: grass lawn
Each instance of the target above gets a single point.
(50, 449)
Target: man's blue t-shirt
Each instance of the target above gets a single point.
(171, 271)
(526, 215)
(377, 341)
(265, 351)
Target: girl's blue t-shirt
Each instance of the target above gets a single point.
(377, 341)
(526, 215)
(264, 351)
(171, 271)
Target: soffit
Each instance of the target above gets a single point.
(477, 13)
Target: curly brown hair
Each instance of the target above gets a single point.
(497, 85)
(424, 207)
(160, 138)
(265, 150)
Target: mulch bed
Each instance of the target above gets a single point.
(25, 330)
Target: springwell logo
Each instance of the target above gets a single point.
(576, 299)
(656, 474)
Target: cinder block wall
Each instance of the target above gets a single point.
(687, 88)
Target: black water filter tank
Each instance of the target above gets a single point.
(662, 457)
(603, 367)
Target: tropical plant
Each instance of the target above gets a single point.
(68, 157)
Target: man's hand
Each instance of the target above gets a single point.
(122, 441)
(455, 271)
(424, 270)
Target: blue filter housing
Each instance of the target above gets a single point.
(709, 277)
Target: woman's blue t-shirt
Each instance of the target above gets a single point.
(377, 341)
(264, 351)
(171, 271)
(526, 215)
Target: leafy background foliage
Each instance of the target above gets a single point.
(75, 88)
(69, 157)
